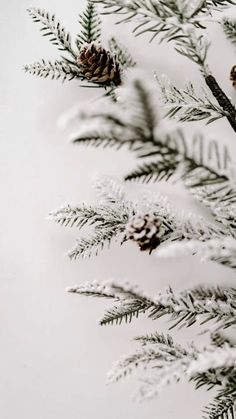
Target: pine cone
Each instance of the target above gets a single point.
(145, 230)
(98, 65)
(233, 76)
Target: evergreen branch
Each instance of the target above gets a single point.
(186, 105)
(220, 4)
(86, 247)
(121, 53)
(229, 27)
(170, 362)
(93, 289)
(189, 306)
(219, 250)
(200, 304)
(101, 216)
(225, 214)
(218, 340)
(110, 191)
(53, 28)
(195, 47)
(222, 408)
(170, 19)
(124, 313)
(164, 356)
(90, 23)
(133, 121)
(77, 216)
(198, 163)
(222, 99)
(54, 70)
(157, 16)
(155, 171)
(108, 218)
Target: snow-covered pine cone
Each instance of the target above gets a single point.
(146, 230)
(98, 65)
(233, 76)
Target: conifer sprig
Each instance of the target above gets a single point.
(170, 362)
(55, 70)
(186, 104)
(108, 220)
(75, 67)
(223, 251)
(90, 23)
(229, 27)
(52, 28)
(133, 121)
(178, 21)
(200, 304)
(122, 54)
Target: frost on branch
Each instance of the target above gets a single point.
(164, 151)
(183, 309)
(187, 105)
(112, 214)
(221, 250)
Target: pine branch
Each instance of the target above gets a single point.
(171, 362)
(222, 99)
(222, 408)
(171, 19)
(101, 215)
(222, 251)
(122, 54)
(195, 47)
(90, 23)
(94, 289)
(186, 105)
(110, 191)
(229, 27)
(109, 222)
(53, 29)
(200, 304)
(54, 70)
(133, 122)
(198, 163)
(166, 355)
(108, 218)
(86, 247)
(156, 16)
(205, 167)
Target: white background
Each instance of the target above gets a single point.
(53, 355)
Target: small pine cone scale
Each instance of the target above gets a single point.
(146, 230)
(98, 65)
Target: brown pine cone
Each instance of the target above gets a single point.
(98, 65)
(233, 76)
(145, 230)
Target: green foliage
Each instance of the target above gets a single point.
(229, 27)
(194, 47)
(159, 17)
(88, 246)
(186, 105)
(54, 70)
(122, 54)
(108, 222)
(183, 309)
(133, 121)
(67, 68)
(53, 29)
(90, 23)
(164, 352)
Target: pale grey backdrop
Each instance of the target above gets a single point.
(53, 355)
